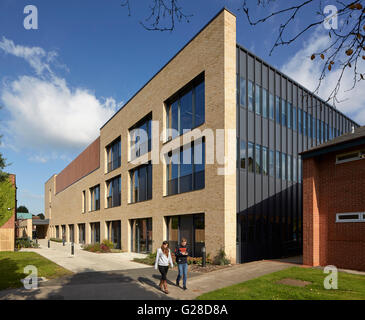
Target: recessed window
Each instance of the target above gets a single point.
(113, 192)
(186, 168)
(113, 152)
(140, 137)
(95, 198)
(141, 183)
(351, 156)
(186, 109)
(350, 217)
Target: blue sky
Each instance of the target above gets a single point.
(86, 59)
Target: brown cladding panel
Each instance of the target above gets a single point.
(86, 162)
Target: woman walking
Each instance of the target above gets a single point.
(163, 259)
(182, 253)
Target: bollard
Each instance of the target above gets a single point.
(63, 242)
(72, 249)
(49, 243)
(204, 257)
(36, 240)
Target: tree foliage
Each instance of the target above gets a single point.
(346, 48)
(7, 201)
(22, 209)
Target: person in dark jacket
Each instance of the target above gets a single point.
(182, 253)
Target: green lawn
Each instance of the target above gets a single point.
(350, 287)
(12, 267)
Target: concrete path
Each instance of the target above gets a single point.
(84, 261)
(141, 283)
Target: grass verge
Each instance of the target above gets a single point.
(12, 266)
(350, 287)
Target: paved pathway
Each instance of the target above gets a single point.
(84, 261)
(141, 284)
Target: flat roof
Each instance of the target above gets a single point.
(344, 141)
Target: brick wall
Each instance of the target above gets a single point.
(330, 188)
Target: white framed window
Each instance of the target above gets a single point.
(350, 156)
(350, 217)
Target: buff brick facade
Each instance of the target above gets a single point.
(331, 188)
(211, 52)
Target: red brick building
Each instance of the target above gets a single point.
(334, 202)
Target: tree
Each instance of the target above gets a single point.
(346, 48)
(41, 215)
(7, 201)
(22, 209)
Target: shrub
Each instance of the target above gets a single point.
(150, 259)
(108, 243)
(96, 247)
(25, 243)
(221, 258)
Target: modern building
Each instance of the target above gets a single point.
(244, 197)
(334, 202)
(31, 226)
(7, 224)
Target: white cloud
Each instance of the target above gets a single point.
(38, 58)
(46, 114)
(307, 72)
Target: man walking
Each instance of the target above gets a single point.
(181, 253)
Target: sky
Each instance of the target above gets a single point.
(61, 82)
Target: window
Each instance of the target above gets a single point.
(114, 192)
(283, 166)
(113, 155)
(277, 106)
(289, 167)
(258, 158)
(271, 163)
(318, 130)
(330, 133)
(300, 128)
(314, 128)
(186, 168)
(310, 131)
(140, 135)
(290, 115)
(242, 91)
(326, 132)
(141, 183)
(243, 154)
(300, 168)
(83, 201)
(264, 161)
(283, 112)
(295, 169)
(350, 217)
(250, 157)
(258, 99)
(278, 162)
(250, 95)
(271, 106)
(294, 118)
(264, 103)
(351, 156)
(304, 123)
(186, 110)
(322, 131)
(95, 198)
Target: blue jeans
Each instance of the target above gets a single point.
(183, 272)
